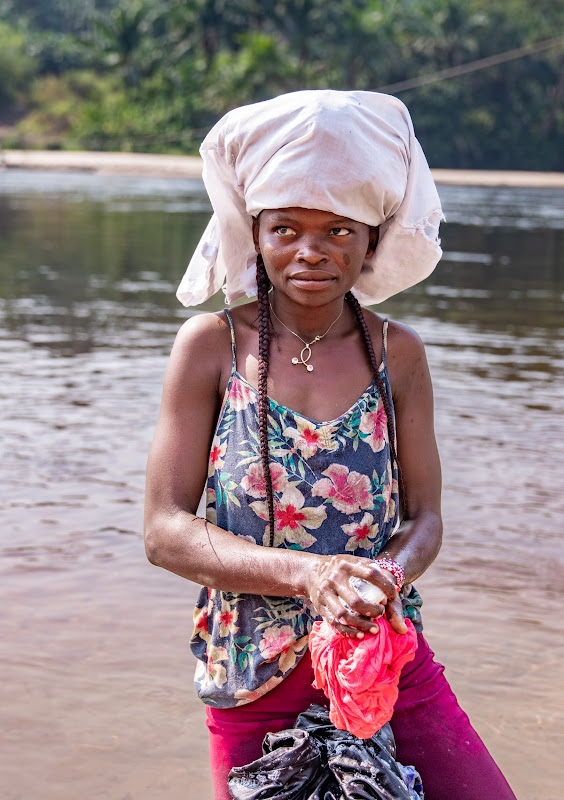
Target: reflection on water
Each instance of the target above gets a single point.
(95, 663)
(87, 260)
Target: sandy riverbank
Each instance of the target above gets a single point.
(138, 164)
(190, 167)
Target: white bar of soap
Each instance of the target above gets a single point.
(368, 592)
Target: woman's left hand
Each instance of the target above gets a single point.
(394, 615)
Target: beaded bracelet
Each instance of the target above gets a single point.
(395, 568)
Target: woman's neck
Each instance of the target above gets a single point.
(307, 322)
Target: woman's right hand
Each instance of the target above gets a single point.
(334, 599)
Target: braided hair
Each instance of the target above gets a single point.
(263, 285)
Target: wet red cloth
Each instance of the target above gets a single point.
(360, 676)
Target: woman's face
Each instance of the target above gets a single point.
(312, 255)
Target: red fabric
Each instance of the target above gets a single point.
(360, 676)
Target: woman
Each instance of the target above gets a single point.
(304, 414)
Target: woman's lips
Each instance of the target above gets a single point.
(312, 280)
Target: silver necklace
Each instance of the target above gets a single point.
(305, 354)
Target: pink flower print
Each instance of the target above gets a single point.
(216, 671)
(275, 640)
(308, 438)
(217, 456)
(389, 494)
(291, 518)
(211, 499)
(348, 491)
(227, 618)
(390, 510)
(374, 427)
(361, 533)
(201, 616)
(254, 484)
(239, 394)
(279, 642)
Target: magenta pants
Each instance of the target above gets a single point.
(432, 732)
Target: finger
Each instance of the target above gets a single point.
(354, 633)
(348, 630)
(344, 619)
(394, 614)
(359, 606)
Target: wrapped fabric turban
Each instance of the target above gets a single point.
(352, 153)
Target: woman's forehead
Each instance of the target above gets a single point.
(299, 214)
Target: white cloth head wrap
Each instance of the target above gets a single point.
(352, 153)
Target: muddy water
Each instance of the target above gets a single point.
(95, 678)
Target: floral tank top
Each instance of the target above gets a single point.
(335, 491)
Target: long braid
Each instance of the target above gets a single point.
(263, 285)
(356, 307)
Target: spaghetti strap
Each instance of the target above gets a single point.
(384, 343)
(230, 321)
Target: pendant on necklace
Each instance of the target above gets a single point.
(305, 355)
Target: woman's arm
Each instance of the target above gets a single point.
(416, 543)
(175, 538)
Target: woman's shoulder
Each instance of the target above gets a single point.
(204, 342)
(203, 335)
(404, 340)
(202, 348)
(400, 337)
(404, 348)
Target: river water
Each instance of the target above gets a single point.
(95, 678)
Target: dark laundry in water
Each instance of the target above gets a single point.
(315, 761)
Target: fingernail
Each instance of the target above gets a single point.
(374, 629)
(360, 635)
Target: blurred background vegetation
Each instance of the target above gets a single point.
(153, 76)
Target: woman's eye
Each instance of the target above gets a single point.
(284, 230)
(339, 231)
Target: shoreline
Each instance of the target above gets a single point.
(190, 167)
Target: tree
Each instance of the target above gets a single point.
(16, 67)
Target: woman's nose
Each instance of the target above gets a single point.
(311, 251)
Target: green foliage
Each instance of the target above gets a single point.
(55, 104)
(153, 75)
(123, 39)
(84, 110)
(16, 66)
(507, 116)
(60, 16)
